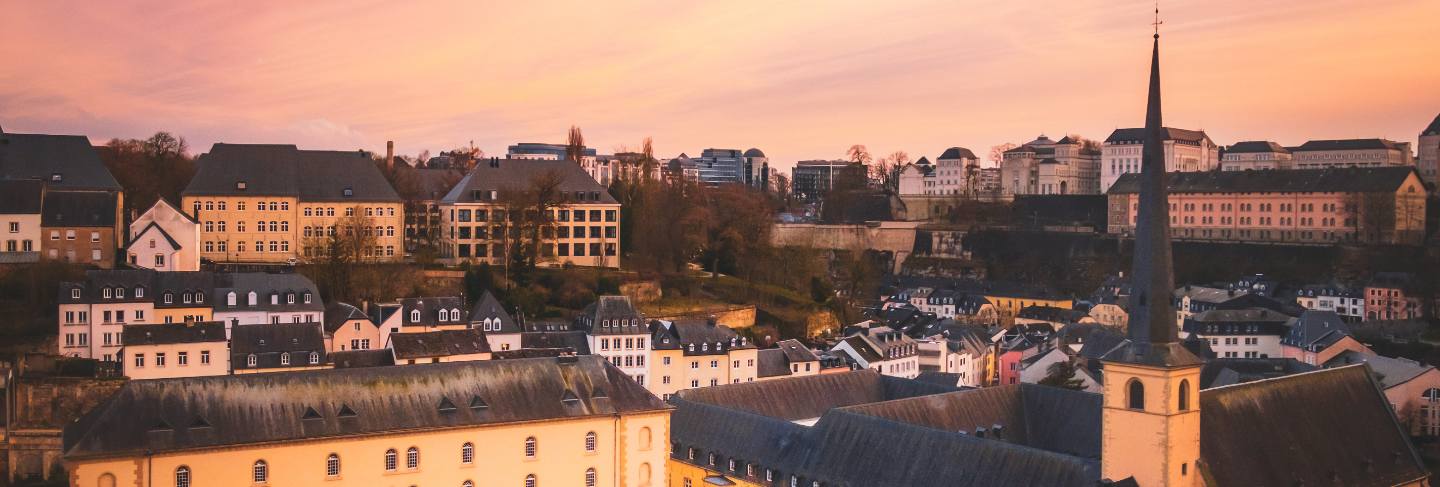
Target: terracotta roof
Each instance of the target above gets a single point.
(209, 412)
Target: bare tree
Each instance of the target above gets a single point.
(532, 219)
(887, 170)
(997, 153)
(334, 252)
(575, 145)
(858, 154)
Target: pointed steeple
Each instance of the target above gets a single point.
(1154, 337)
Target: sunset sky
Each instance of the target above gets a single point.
(798, 79)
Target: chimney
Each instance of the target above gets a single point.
(389, 154)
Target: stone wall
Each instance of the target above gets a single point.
(735, 317)
(897, 238)
(37, 411)
(641, 292)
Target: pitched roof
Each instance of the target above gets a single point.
(440, 343)
(1138, 135)
(349, 359)
(1433, 128)
(957, 153)
(488, 307)
(575, 341)
(1346, 144)
(680, 334)
(167, 415)
(270, 341)
(337, 314)
(78, 209)
(1328, 180)
(20, 196)
(512, 174)
(429, 308)
(42, 156)
(612, 315)
(173, 333)
(163, 234)
(264, 285)
(1328, 427)
(1390, 372)
(283, 170)
(1229, 371)
(1315, 330)
(810, 396)
(770, 362)
(1256, 146)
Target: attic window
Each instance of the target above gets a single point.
(446, 406)
(240, 185)
(347, 192)
(569, 397)
(311, 413)
(477, 403)
(345, 412)
(199, 423)
(56, 177)
(161, 425)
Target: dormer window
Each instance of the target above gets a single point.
(56, 177)
(274, 298)
(454, 314)
(139, 292)
(290, 298)
(314, 358)
(230, 298)
(415, 316)
(199, 297)
(240, 185)
(105, 293)
(347, 192)
(75, 293)
(285, 359)
(307, 298)
(251, 298)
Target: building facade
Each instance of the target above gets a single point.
(1256, 156)
(1185, 151)
(1429, 160)
(82, 227)
(1319, 207)
(164, 239)
(20, 216)
(883, 350)
(275, 204)
(811, 180)
(1320, 154)
(1045, 166)
(482, 220)
(615, 330)
(690, 354)
(164, 351)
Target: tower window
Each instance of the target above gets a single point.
(1136, 396)
(1184, 400)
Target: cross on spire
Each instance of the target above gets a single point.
(1157, 21)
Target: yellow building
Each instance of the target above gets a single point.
(478, 224)
(169, 350)
(690, 354)
(270, 203)
(522, 422)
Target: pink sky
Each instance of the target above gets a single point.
(798, 79)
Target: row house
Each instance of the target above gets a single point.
(484, 223)
(1045, 166)
(789, 358)
(1348, 303)
(691, 353)
(883, 350)
(1185, 151)
(1016, 345)
(164, 239)
(92, 314)
(1256, 155)
(170, 350)
(1321, 154)
(1316, 337)
(533, 422)
(79, 204)
(1037, 368)
(1393, 296)
(615, 330)
(276, 204)
(1378, 205)
(1240, 333)
(258, 297)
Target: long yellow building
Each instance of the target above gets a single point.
(273, 203)
(525, 422)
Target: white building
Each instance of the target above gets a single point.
(1044, 166)
(955, 173)
(164, 239)
(20, 219)
(256, 297)
(1348, 303)
(1037, 368)
(1240, 333)
(500, 328)
(1256, 155)
(1185, 151)
(883, 350)
(1429, 163)
(616, 331)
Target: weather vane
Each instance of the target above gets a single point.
(1157, 21)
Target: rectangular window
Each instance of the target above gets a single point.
(182, 358)
(139, 360)
(160, 359)
(204, 357)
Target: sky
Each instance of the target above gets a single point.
(798, 79)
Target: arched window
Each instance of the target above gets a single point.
(467, 483)
(589, 477)
(644, 474)
(230, 298)
(530, 447)
(1136, 396)
(412, 458)
(467, 453)
(530, 480)
(1184, 395)
(332, 465)
(250, 298)
(182, 476)
(391, 460)
(645, 438)
(590, 441)
(260, 473)
(106, 480)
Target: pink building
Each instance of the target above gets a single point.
(1392, 296)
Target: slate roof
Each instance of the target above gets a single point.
(78, 209)
(1137, 135)
(957, 153)
(96, 280)
(576, 341)
(173, 333)
(489, 307)
(20, 196)
(1256, 146)
(1051, 314)
(429, 308)
(1346, 144)
(775, 362)
(265, 284)
(1315, 330)
(939, 378)
(40, 156)
(1328, 427)
(284, 170)
(1328, 180)
(209, 412)
(440, 343)
(810, 396)
(269, 341)
(612, 315)
(510, 174)
(1230, 371)
(1390, 372)
(705, 336)
(337, 314)
(1433, 128)
(351, 359)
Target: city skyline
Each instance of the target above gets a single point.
(796, 83)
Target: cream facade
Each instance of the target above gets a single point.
(1045, 166)
(1256, 156)
(164, 239)
(688, 355)
(1185, 151)
(1429, 153)
(1320, 154)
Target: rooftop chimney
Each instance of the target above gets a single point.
(389, 154)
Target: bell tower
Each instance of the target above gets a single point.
(1151, 410)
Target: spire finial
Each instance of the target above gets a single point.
(1157, 21)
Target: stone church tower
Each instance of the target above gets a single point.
(1151, 418)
